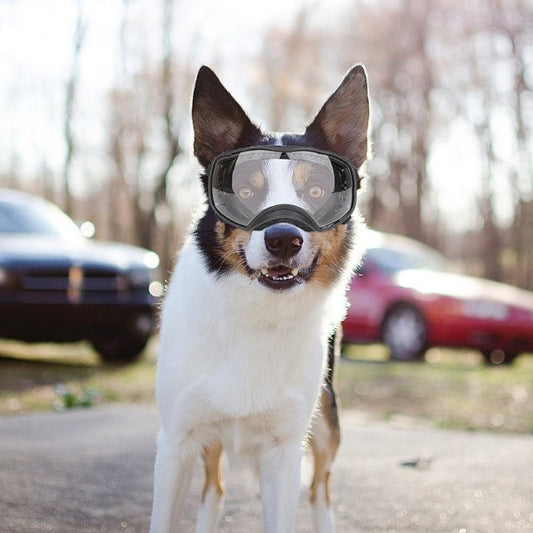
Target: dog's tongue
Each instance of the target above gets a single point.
(278, 271)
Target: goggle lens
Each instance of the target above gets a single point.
(255, 187)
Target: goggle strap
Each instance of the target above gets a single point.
(287, 213)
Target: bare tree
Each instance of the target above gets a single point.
(292, 74)
(160, 199)
(143, 142)
(514, 20)
(70, 97)
(394, 40)
(494, 40)
(433, 64)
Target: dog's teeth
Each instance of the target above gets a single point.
(264, 271)
(294, 271)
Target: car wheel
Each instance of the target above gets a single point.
(120, 348)
(498, 357)
(404, 332)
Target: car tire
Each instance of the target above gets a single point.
(498, 357)
(404, 332)
(121, 348)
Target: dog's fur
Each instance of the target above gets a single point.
(244, 361)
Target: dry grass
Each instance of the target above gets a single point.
(42, 377)
(453, 389)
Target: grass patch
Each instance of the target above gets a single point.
(50, 376)
(453, 389)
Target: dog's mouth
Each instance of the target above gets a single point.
(283, 276)
(280, 277)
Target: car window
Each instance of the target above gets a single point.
(391, 260)
(36, 219)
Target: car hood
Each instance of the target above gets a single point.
(464, 287)
(32, 249)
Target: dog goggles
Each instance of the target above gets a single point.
(255, 187)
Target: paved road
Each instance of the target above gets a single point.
(91, 471)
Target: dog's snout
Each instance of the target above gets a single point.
(283, 240)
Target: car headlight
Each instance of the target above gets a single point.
(156, 289)
(151, 260)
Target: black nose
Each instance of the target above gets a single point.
(283, 240)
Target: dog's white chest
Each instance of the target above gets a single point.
(233, 350)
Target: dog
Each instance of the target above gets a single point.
(250, 320)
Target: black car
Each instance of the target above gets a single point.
(58, 286)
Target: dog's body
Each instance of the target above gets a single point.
(248, 330)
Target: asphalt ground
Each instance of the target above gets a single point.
(91, 471)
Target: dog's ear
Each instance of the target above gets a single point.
(342, 123)
(219, 122)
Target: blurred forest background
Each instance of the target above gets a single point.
(452, 112)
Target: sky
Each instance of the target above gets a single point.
(36, 39)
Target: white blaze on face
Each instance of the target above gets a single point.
(279, 175)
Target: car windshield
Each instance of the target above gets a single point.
(391, 259)
(36, 218)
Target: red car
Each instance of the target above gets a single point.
(408, 297)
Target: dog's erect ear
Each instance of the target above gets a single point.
(220, 124)
(343, 120)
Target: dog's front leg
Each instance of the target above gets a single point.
(174, 466)
(213, 489)
(279, 470)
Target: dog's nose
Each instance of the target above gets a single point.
(283, 240)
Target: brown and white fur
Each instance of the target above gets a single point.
(249, 330)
